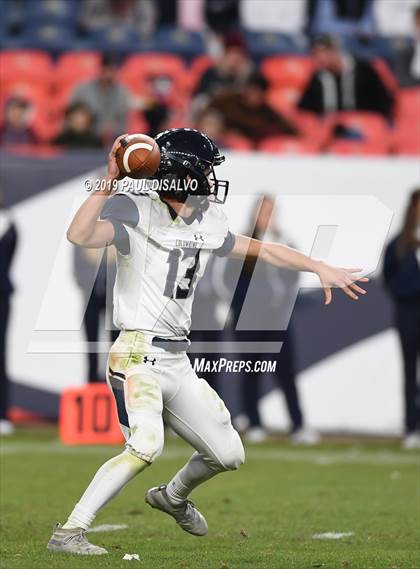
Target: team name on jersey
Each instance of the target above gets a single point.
(197, 244)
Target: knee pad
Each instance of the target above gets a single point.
(143, 400)
(236, 457)
(232, 454)
(146, 438)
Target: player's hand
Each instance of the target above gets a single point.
(113, 170)
(344, 279)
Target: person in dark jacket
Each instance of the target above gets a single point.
(107, 98)
(8, 240)
(231, 69)
(407, 56)
(262, 306)
(402, 278)
(247, 112)
(78, 131)
(343, 83)
(15, 128)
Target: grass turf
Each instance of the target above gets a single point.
(261, 517)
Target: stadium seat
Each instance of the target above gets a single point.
(74, 68)
(116, 39)
(51, 37)
(153, 64)
(372, 128)
(140, 70)
(29, 66)
(288, 145)
(283, 99)
(313, 128)
(60, 12)
(177, 41)
(287, 71)
(263, 44)
(237, 142)
(12, 41)
(13, 16)
(355, 147)
(81, 63)
(408, 106)
(406, 139)
(371, 48)
(25, 90)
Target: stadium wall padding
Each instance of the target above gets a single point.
(348, 354)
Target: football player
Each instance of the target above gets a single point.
(164, 240)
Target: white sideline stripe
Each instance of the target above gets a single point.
(107, 527)
(130, 149)
(318, 457)
(333, 535)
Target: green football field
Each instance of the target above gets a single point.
(262, 517)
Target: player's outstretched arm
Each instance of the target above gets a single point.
(288, 258)
(86, 230)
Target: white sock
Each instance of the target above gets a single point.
(198, 469)
(107, 482)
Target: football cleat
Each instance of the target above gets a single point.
(256, 435)
(185, 514)
(72, 541)
(411, 441)
(305, 437)
(6, 428)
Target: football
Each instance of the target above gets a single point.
(138, 156)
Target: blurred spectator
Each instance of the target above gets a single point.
(407, 55)
(222, 15)
(343, 17)
(191, 15)
(343, 83)
(211, 123)
(15, 128)
(157, 94)
(287, 16)
(247, 112)
(108, 101)
(402, 278)
(88, 273)
(264, 299)
(156, 115)
(394, 18)
(96, 14)
(205, 324)
(8, 240)
(78, 131)
(231, 69)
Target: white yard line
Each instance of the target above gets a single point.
(333, 535)
(320, 457)
(107, 527)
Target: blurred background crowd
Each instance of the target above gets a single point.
(299, 76)
(260, 77)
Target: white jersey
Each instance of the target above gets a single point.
(161, 257)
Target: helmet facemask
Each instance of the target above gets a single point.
(208, 188)
(218, 189)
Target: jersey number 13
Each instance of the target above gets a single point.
(185, 285)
